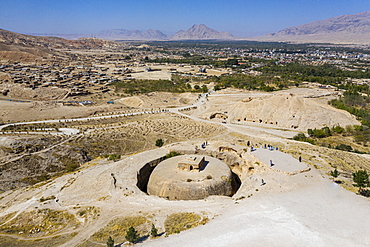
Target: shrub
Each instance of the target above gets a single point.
(159, 142)
(114, 157)
(361, 178)
(300, 137)
(110, 242)
(319, 133)
(132, 235)
(338, 129)
(334, 173)
(153, 231)
(344, 147)
(172, 154)
(364, 192)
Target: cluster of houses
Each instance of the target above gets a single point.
(89, 73)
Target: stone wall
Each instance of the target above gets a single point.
(145, 172)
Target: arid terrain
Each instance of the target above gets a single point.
(100, 198)
(83, 124)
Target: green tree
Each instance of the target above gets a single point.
(334, 173)
(204, 89)
(300, 137)
(310, 132)
(338, 129)
(132, 235)
(361, 178)
(110, 242)
(153, 231)
(159, 142)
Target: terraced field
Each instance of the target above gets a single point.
(125, 137)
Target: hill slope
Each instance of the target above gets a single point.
(282, 109)
(341, 29)
(12, 38)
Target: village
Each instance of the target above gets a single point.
(87, 72)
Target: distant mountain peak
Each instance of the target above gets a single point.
(200, 31)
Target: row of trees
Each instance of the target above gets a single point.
(266, 83)
(325, 74)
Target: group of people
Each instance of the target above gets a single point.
(268, 146)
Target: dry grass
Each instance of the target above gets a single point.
(117, 228)
(88, 213)
(37, 223)
(327, 159)
(7, 217)
(176, 223)
(6, 241)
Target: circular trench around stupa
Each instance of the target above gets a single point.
(191, 177)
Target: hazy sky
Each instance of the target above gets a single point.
(240, 17)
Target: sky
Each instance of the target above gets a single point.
(244, 18)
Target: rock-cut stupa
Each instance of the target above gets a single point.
(191, 177)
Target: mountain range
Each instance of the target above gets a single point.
(123, 34)
(196, 32)
(345, 29)
(349, 29)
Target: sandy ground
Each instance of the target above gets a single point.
(314, 212)
(278, 160)
(306, 209)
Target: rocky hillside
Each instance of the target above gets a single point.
(35, 162)
(285, 110)
(201, 31)
(11, 38)
(341, 29)
(123, 34)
